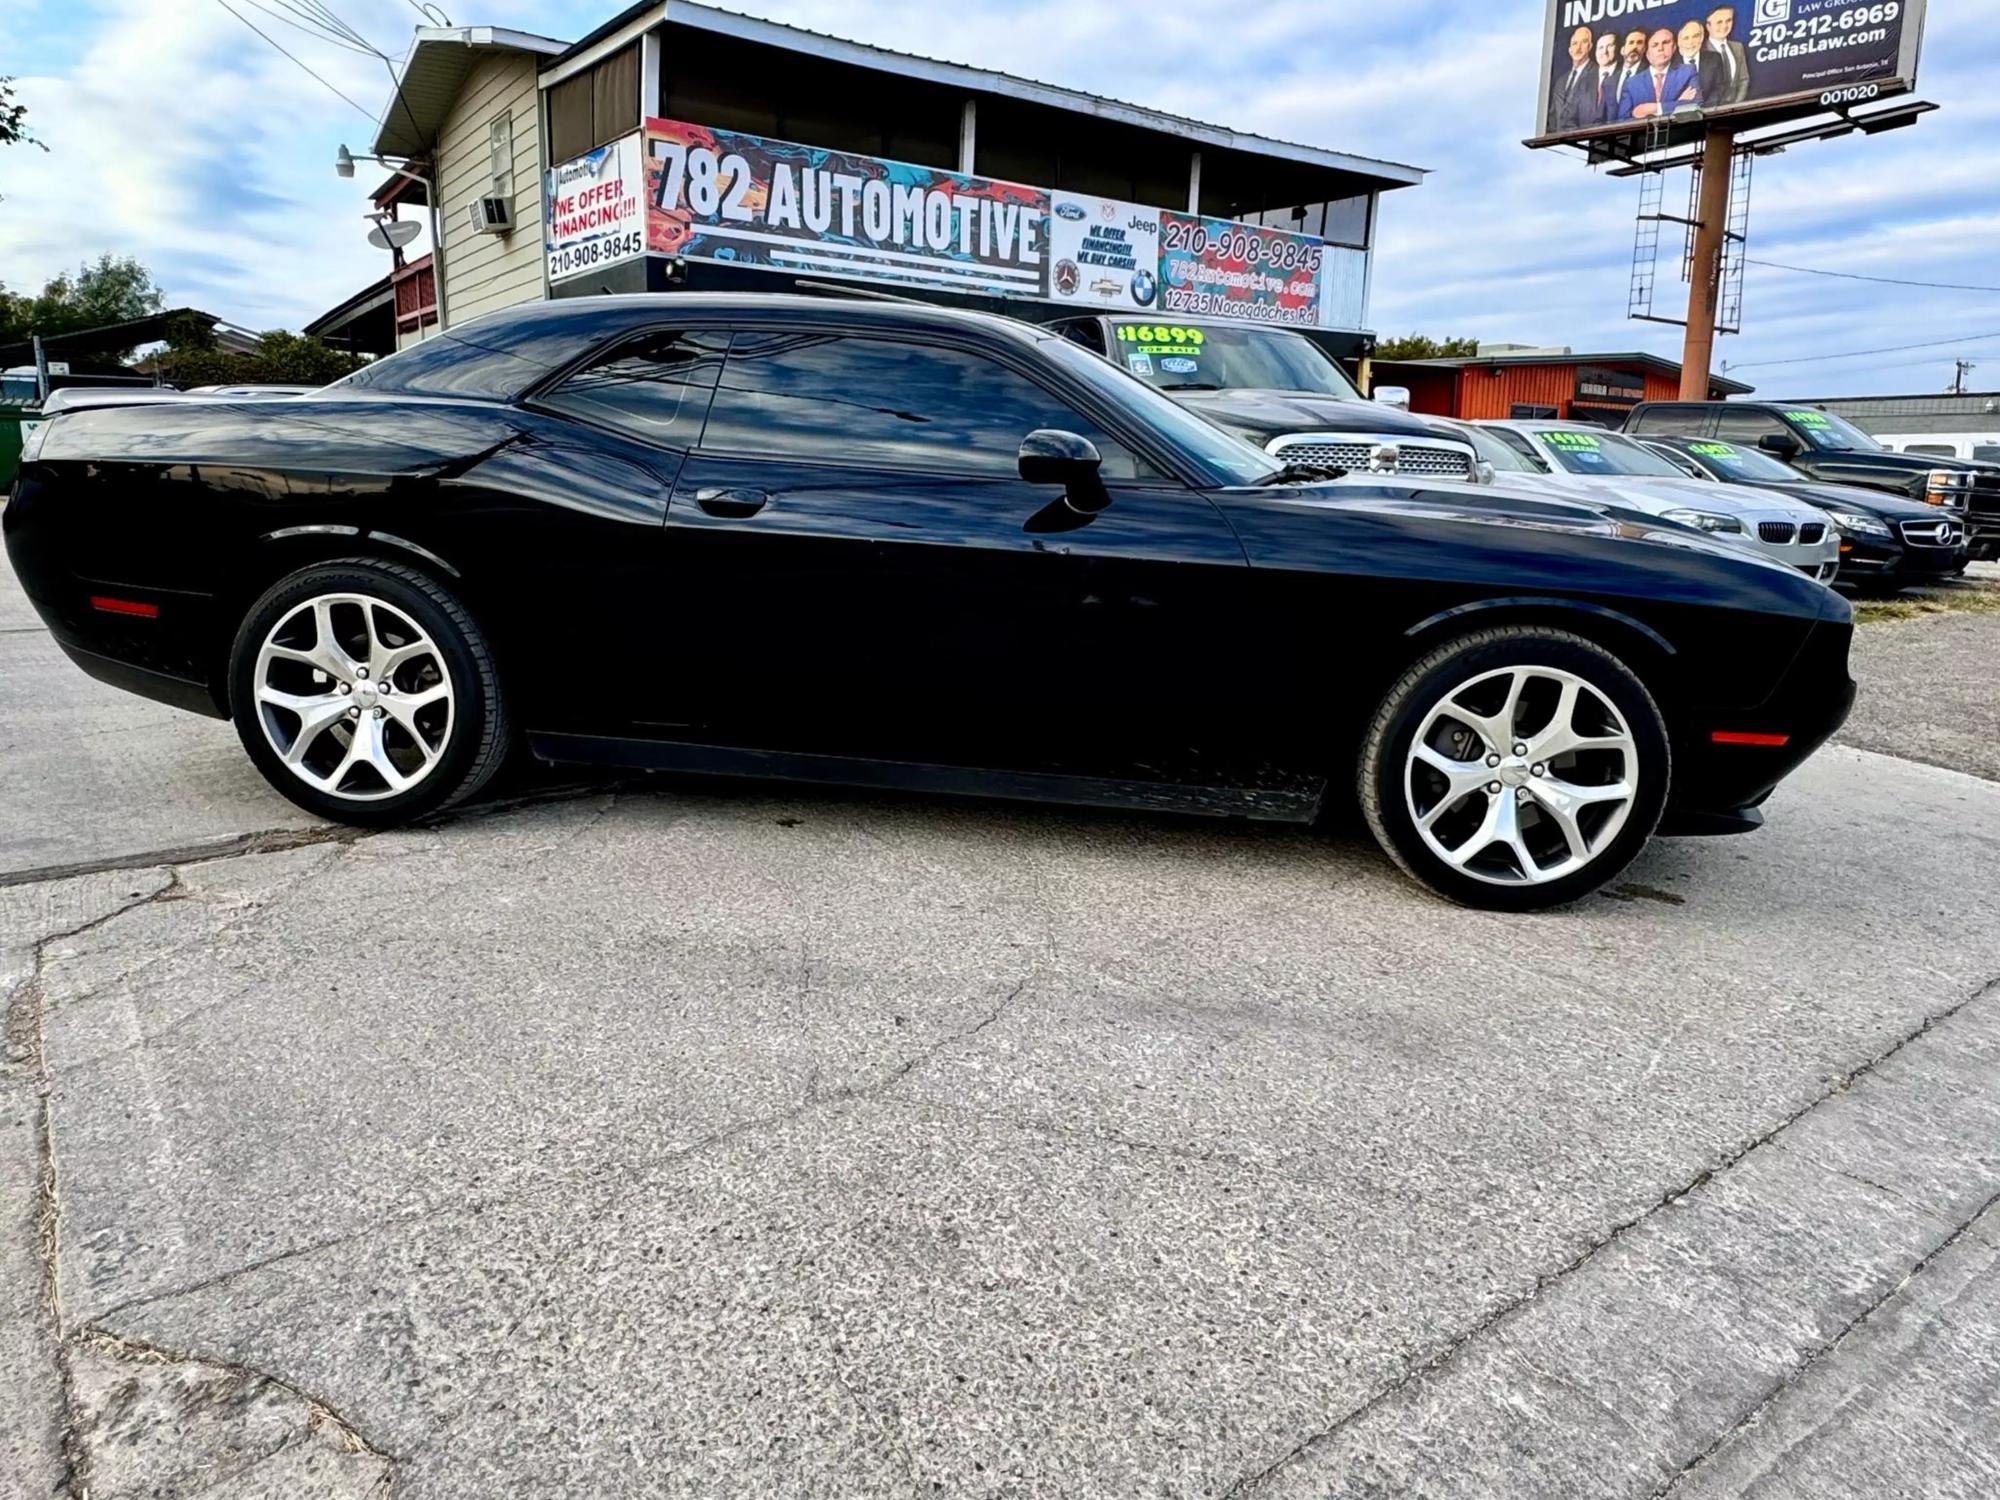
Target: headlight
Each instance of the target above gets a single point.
(1949, 479)
(1947, 487)
(1854, 524)
(1707, 520)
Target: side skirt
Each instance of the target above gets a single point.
(1297, 804)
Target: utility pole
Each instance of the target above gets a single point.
(1705, 274)
(1965, 368)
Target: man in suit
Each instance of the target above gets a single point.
(1732, 64)
(1605, 78)
(1574, 105)
(1667, 84)
(1631, 63)
(1693, 45)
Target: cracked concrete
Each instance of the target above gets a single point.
(729, 1140)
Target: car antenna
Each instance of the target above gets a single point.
(836, 289)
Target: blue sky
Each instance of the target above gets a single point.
(177, 136)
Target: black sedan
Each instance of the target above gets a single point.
(891, 545)
(1886, 542)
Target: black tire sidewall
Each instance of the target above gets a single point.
(470, 705)
(1607, 675)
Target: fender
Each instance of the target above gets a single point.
(286, 533)
(1539, 602)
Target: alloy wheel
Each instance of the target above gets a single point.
(354, 697)
(1521, 776)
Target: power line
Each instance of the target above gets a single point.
(302, 26)
(292, 55)
(1940, 286)
(1812, 359)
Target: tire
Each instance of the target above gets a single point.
(1466, 856)
(297, 705)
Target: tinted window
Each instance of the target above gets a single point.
(1937, 450)
(1670, 419)
(1088, 334)
(655, 388)
(1822, 429)
(822, 397)
(1987, 453)
(1745, 465)
(1746, 425)
(1520, 445)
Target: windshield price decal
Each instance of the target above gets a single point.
(1712, 450)
(1573, 441)
(1809, 418)
(1160, 333)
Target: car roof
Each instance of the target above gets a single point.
(1546, 424)
(633, 308)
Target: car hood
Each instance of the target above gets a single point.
(1267, 414)
(1854, 497)
(1663, 494)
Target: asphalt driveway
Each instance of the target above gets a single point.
(729, 1140)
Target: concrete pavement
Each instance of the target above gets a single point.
(740, 1140)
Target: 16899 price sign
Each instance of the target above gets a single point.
(567, 260)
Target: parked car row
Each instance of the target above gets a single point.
(895, 545)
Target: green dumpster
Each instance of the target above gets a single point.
(15, 424)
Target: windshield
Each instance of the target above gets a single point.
(1183, 357)
(1743, 465)
(1822, 429)
(1229, 459)
(1585, 452)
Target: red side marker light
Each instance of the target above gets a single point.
(134, 607)
(1742, 737)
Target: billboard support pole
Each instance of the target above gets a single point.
(1705, 280)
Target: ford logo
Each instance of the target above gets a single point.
(1070, 211)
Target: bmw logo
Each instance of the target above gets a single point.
(1144, 285)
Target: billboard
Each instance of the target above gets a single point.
(725, 196)
(594, 210)
(1103, 253)
(695, 191)
(1619, 65)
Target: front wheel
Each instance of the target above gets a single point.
(365, 693)
(1515, 769)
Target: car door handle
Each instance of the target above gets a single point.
(732, 503)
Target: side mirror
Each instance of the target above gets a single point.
(1052, 456)
(1783, 444)
(1397, 396)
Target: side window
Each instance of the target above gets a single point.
(655, 388)
(1085, 333)
(1680, 461)
(1520, 444)
(1986, 453)
(1745, 425)
(837, 398)
(1935, 450)
(1669, 420)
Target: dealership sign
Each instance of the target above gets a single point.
(1620, 65)
(747, 200)
(594, 210)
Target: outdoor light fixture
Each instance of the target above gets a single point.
(343, 166)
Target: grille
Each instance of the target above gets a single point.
(1351, 454)
(1777, 533)
(1811, 532)
(1933, 533)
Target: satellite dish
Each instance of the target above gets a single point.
(394, 234)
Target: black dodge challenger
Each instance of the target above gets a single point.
(884, 544)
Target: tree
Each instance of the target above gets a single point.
(1419, 346)
(116, 289)
(13, 116)
(280, 359)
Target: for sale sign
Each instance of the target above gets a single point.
(593, 210)
(748, 200)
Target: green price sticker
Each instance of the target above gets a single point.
(1809, 418)
(1161, 333)
(1573, 440)
(1712, 450)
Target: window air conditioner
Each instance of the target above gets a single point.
(489, 216)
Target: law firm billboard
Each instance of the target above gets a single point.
(1624, 65)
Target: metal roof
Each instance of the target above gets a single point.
(620, 30)
(1495, 361)
(432, 76)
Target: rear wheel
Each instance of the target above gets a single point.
(1515, 769)
(365, 693)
